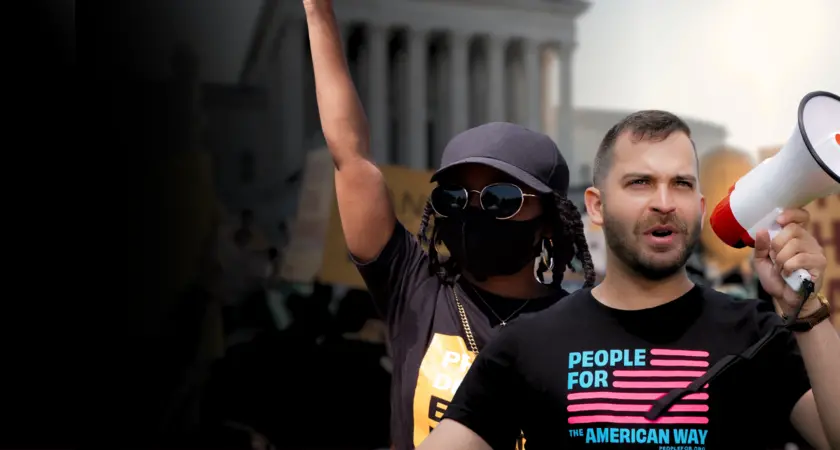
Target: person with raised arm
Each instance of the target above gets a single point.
(500, 207)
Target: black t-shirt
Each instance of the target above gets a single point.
(582, 375)
(428, 343)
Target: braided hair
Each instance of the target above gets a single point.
(569, 242)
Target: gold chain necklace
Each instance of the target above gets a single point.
(520, 443)
(465, 323)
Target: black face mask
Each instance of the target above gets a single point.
(485, 246)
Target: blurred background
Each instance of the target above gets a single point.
(257, 307)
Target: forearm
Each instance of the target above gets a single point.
(450, 434)
(343, 120)
(820, 349)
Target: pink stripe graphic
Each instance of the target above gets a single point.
(678, 363)
(684, 353)
(659, 373)
(651, 384)
(634, 419)
(630, 396)
(633, 407)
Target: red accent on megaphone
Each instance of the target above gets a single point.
(727, 228)
(837, 138)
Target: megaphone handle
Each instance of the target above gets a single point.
(797, 277)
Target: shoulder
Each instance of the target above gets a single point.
(565, 308)
(722, 301)
(401, 245)
(746, 314)
(578, 302)
(557, 317)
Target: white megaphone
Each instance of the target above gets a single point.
(805, 169)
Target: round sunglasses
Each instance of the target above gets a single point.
(503, 200)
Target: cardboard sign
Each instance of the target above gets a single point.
(302, 257)
(409, 191)
(317, 250)
(719, 170)
(825, 226)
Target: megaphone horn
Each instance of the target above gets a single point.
(805, 169)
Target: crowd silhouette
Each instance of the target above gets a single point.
(291, 364)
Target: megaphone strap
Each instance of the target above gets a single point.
(665, 402)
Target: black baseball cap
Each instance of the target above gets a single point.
(526, 155)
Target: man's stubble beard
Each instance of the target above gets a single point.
(627, 248)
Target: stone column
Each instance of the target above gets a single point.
(290, 87)
(459, 93)
(533, 84)
(416, 149)
(496, 78)
(377, 92)
(565, 113)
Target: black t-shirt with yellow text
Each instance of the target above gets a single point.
(428, 342)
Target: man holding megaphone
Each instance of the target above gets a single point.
(643, 360)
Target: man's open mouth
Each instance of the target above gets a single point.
(661, 231)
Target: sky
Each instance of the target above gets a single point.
(743, 64)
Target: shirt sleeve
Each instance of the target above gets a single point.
(491, 393)
(395, 273)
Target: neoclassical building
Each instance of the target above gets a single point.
(425, 70)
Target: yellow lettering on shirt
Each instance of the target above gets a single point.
(442, 370)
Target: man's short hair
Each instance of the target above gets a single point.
(651, 125)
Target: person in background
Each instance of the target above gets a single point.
(283, 230)
(598, 369)
(244, 262)
(499, 205)
(355, 350)
(311, 317)
(273, 267)
(244, 233)
(273, 381)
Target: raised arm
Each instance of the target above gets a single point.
(367, 216)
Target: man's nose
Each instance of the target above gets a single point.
(663, 201)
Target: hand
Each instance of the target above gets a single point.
(793, 248)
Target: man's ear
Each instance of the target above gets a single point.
(592, 197)
(702, 212)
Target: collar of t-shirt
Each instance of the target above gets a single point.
(504, 306)
(663, 323)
